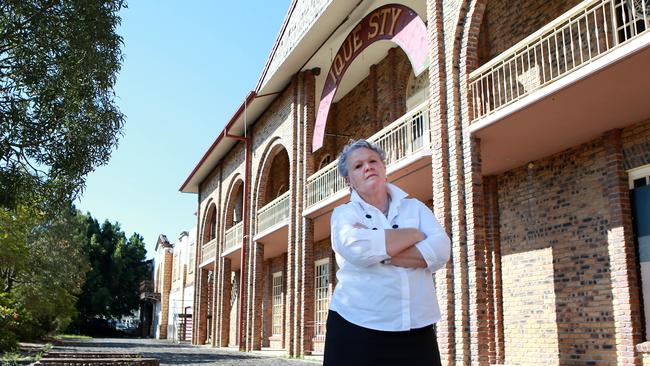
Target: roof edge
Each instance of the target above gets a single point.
(283, 28)
(249, 98)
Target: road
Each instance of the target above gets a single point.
(178, 354)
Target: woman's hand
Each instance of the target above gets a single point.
(409, 258)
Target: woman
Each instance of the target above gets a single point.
(387, 247)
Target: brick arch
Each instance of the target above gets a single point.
(472, 236)
(458, 345)
(403, 74)
(273, 148)
(234, 187)
(468, 56)
(406, 29)
(211, 208)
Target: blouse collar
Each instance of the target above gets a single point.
(396, 195)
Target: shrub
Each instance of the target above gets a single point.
(9, 317)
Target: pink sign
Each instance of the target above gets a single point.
(393, 22)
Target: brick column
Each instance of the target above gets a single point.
(292, 263)
(164, 297)
(440, 170)
(476, 254)
(267, 301)
(307, 328)
(496, 346)
(210, 308)
(202, 308)
(308, 167)
(257, 295)
(248, 312)
(622, 254)
(226, 295)
(286, 337)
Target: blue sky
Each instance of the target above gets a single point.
(187, 67)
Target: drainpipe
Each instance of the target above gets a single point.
(245, 229)
(245, 203)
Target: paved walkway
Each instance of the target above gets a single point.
(177, 354)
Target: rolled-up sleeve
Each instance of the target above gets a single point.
(436, 248)
(361, 247)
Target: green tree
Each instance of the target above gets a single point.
(58, 120)
(118, 266)
(42, 263)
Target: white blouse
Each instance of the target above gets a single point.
(382, 296)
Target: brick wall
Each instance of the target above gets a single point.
(504, 25)
(636, 145)
(557, 290)
(280, 174)
(272, 128)
(322, 249)
(272, 166)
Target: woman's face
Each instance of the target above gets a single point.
(366, 172)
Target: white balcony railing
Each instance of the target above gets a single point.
(400, 139)
(233, 236)
(590, 30)
(208, 250)
(273, 212)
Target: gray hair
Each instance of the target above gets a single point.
(342, 164)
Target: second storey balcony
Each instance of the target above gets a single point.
(232, 244)
(208, 252)
(147, 292)
(408, 164)
(272, 226)
(584, 73)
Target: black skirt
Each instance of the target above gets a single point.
(349, 344)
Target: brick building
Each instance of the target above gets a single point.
(181, 296)
(162, 284)
(525, 127)
(172, 292)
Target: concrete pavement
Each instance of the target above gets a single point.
(178, 354)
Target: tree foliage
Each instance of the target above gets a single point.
(55, 269)
(42, 269)
(58, 120)
(118, 266)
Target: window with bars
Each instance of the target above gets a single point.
(321, 297)
(276, 317)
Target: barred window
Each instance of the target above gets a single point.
(276, 322)
(321, 298)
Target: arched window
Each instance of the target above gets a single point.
(210, 231)
(417, 90)
(324, 161)
(281, 190)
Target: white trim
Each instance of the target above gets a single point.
(321, 262)
(638, 172)
(321, 294)
(617, 54)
